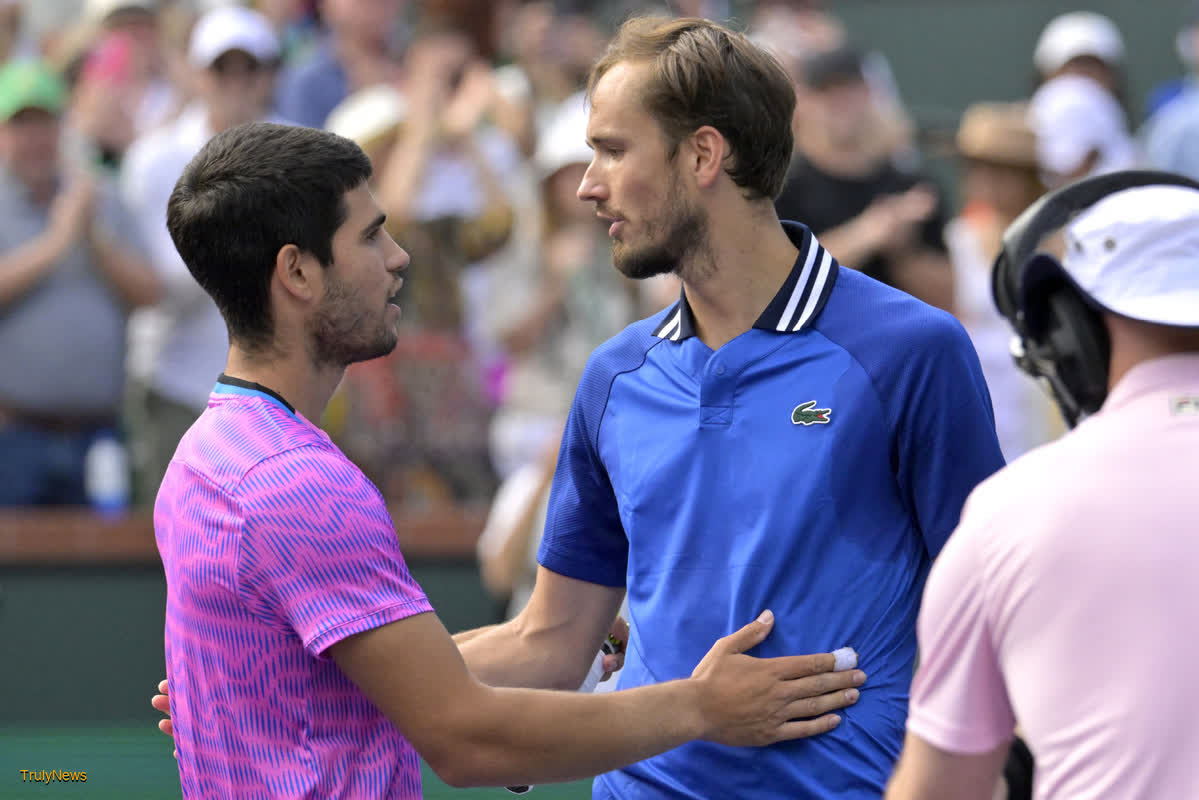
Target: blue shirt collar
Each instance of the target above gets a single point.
(794, 308)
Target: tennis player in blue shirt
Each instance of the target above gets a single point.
(790, 434)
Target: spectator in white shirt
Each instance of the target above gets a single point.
(178, 347)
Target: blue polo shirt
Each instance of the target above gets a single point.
(814, 465)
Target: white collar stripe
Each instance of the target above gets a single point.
(672, 325)
(800, 285)
(817, 289)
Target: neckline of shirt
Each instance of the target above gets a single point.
(240, 386)
(796, 305)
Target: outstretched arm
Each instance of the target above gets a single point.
(473, 734)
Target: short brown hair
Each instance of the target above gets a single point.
(705, 74)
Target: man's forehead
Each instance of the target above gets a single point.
(360, 201)
(619, 83)
(616, 98)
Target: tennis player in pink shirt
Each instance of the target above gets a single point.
(1067, 600)
(303, 659)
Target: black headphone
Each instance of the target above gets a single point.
(1060, 337)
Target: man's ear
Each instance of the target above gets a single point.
(708, 152)
(297, 272)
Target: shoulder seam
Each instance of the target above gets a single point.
(612, 383)
(869, 375)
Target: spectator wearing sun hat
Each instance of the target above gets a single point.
(179, 347)
(1000, 178)
(417, 419)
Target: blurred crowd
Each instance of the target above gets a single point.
(474, 117)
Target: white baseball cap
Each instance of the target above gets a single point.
(1072, 115)
(368, 114)
(564, 140)
(1136, 253)
(1078, 33)
(232, 28)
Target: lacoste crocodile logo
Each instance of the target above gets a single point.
(805, 414)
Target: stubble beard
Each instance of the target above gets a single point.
(342, 332)
(678, 243)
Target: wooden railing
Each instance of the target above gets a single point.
(64, 536)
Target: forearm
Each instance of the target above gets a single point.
(404, 172)
(462, 637)
(133, 279)
(517, 736)
(509, 655)
(22, 267)
(925, 772)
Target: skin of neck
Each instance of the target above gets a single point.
(1134, 342)
(747, 258)
(287, 366)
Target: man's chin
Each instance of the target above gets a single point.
(639, 269)
(384, 346)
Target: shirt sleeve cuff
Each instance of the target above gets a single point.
(582, 569)
(953, 738)
(325, 639)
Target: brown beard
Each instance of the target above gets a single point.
(680, 236)
(343, 332)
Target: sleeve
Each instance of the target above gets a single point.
(584, 537)
(946, 440)
(318, 554)
(959, 702)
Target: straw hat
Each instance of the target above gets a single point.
(999, 133)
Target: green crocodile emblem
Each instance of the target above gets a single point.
(805, 414)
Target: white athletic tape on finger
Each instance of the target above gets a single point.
(844, 658)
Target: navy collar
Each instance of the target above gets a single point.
(796, 305)
(239, 386)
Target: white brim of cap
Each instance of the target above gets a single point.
(260, 53)
(1180, 309)
(1155, 295)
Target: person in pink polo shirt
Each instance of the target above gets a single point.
(303, 659)
(1066, 601)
